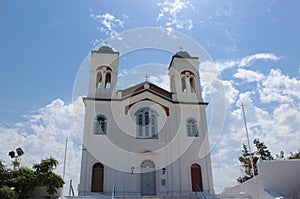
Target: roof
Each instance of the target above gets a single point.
(141, 88)
(105, 49)
(146, 86)
(182, 55)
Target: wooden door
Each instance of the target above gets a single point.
(97, 177)
(196, 176)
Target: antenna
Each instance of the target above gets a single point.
(65, 158)
(246, 128)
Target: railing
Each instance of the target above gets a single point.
(113, 192)
(199, 193)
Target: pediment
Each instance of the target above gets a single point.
(165, 108)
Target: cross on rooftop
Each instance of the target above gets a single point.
(105, 43)
(146, 77)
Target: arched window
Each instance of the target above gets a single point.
(192, 84)
(100, 125)
(99, 80)
(146, 122)
(192, 128)
(107, 81)
(183, 85)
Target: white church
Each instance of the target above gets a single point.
(144, 140)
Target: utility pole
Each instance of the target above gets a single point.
(251, 155)
(65, 158)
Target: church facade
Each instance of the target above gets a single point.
(144, 140)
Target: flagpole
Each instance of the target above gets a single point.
(246, 128)
(65, 158)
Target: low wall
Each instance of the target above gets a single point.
(276, 179)
(281, 176)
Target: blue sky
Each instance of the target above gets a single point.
(254, 46)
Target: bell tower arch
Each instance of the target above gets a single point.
(104, 73)
(185, 78)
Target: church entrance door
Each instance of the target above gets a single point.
(97, 177)
(148, 179)
(196, 178)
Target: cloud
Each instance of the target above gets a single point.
(110, 24)
(246, 61)
(43, 134)
(279, 88)
(272, 111)
(161, 81)
(170, 12)
(231, 92)
(249, 75)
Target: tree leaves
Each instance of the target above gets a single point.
(246, 159)
(24, 180)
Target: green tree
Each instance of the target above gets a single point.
(46, 165)
(246, 159)
(246, 163)
(294, 155)
(262, 150)
(24, 180)
(7, 193)
(46, 177)
(4, 174)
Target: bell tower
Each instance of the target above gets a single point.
(104, 73)
(184, 78)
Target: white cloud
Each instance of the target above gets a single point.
(43, 134)
(280, 88)
(225, 174)
(110, 24)
(275, 122)
(161, 81)
(272, 115)
(249, 75)
(231, 92)
(223, 65)
(246, 61)
(170, 12)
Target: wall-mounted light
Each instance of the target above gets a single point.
(132, 168)
(164, 171)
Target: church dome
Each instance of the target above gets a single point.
(182, 54)
(105, 49)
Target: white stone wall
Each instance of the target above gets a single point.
(172, 129)
(281, 176)
(276, 179)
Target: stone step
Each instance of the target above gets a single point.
(131, 197)
(233, 196)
